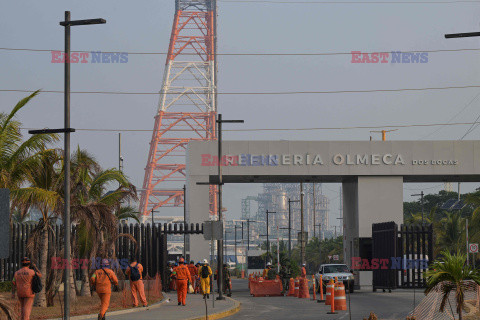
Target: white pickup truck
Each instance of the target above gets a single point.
(330, 271)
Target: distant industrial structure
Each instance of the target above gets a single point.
(275, 197)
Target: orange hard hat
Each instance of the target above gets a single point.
(181, 260)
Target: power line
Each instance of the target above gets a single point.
(347, 2)
(250, 53)
(451, 119)
(248, 93)
(414, 189)
(288, 129)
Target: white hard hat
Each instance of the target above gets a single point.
(205, 261)
(268, 264)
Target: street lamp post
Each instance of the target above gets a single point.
(450, 36)
(236, 264)
(268, 239)
(66, 158)
(219, 122)
(302, 227)
(290, 227)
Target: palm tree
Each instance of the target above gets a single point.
(451, 274)
(43, 192)
(127, 212)
(17, 157)
(94, 209)
(449, 232)
(473, 199)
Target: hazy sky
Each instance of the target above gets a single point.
(145, 26)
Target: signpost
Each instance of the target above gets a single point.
(473, 248)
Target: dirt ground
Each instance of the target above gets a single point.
(83, 305)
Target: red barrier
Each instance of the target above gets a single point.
(297, 284)
(264, 288)
(303, 291)
(291, 288)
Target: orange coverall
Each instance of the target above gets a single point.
(137, 286)
(22, 280)
(193, 273)
(104, 287)
(183, 276)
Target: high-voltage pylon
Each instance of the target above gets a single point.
(187, 107)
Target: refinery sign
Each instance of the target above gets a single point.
(258, 160)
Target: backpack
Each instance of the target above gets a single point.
(36, 284)
(205, 274)
(134, 273)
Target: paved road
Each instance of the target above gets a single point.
(395, 305)
(170, 310)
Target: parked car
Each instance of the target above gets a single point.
(330, 271)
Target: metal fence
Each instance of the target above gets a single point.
(150, 245)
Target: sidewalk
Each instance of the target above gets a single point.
(195, 309)
(168, 309)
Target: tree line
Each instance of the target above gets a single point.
(32, 168)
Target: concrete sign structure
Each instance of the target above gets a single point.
(372, 174)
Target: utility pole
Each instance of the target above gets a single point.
(290, 227)
(236, 264)
(314, 216)
(219, 122)
(319, 242)
(66, 157)
(421, 194)
(268, 239)
(302, 227)
(184, 223)
(451, 36)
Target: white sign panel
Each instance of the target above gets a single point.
(473, 247)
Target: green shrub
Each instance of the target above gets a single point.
(6, 286)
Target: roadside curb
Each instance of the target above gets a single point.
(120, 312)
(221, 314)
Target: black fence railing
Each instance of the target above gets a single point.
(149, 246)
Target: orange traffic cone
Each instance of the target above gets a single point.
(303, 289)
(332, 297)
(291, 288)
(330, 288)
(340, 298)
(321, 289)
(296, 286)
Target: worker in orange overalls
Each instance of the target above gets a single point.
(303, 272)
(183, 277)
(22, 282)
(103, 279)
(134, 273)
(193, 273)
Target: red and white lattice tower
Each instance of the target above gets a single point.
(187, 107)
